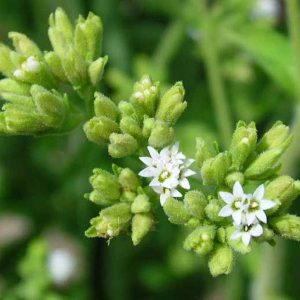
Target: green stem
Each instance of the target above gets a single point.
(169, 44)
(216, 86)
(269, 278)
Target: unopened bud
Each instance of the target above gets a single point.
(141, 204)
(96, 69)
(176, 211)
(221, 261)
(141, 225)
(172, 104)
(243, 143)
(99, 129)
(287, 226)
(129, 180)
(202, 152)
(195, 203)
(122, 145)
(161, 135)
(105, 107)
(215, 169)
(106, 184)
(201, 240)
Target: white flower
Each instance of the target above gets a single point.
(169, 170)
(235, 203)
(256, 205)
(246, 232)
(61, 264)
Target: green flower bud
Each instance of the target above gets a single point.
(105, 107)
(221, 261)
(50, 105)
(161, 135)
(221, 235)
(88, 36)
(122, 145)
(24, 45)
(98, 198)
(195, 203)
(128, 196)
(284, 189)
(172, 104)
(202, 152)
(201, 240)
(34, 71)
(145, 96)
(55, 65)
(111, 221)
(60, 24)
(106, 184)
(99, 129)
(96, 69)
(287, 226)
(141, 204)
(126, 109)
(74, 67)
(212, 210)
(129, 180)
(277, 137)
(7, 65)
(14, 91)
(18, 119)
(233, 177)
(176, 211)
(141, 225)
(215, 169)
(148, 125)
(265, 164)
(236, 244)
(243, 143)
(131, 126)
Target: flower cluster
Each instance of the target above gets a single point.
(247, 211)
(169, 170)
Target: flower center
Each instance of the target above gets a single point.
(237, 203)
(163, 176)
(254, 205)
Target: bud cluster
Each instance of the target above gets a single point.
(34, 78)
(146, 119)
(128, 207)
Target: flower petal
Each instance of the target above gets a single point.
(237, 234)
(175, 193)
(188, 172)
(226, 197)
(147, 172)
(148, 161)
(259, 192)
(246, 237)
(261, 215)
(184, 183)
(237, 217)
(256, 230)
(226, 211)
(153, 153)
(267, 204)
(250, 218)
(238, 191)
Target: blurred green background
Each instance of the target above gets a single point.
(238, 51)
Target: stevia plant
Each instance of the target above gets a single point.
(236, 198)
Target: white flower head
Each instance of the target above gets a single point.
(31, 64)
(235, 203)
(169, 170)
(246, 232)
(256, 206)
(61, 265)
